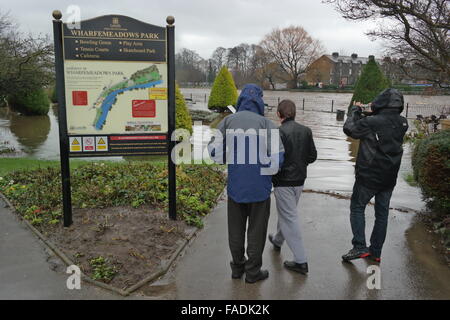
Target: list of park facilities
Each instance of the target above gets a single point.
(114, 38)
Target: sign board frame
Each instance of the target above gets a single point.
(157, 44)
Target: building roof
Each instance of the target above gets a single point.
(349, 59)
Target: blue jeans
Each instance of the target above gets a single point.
(360, 198)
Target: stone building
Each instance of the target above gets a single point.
(336, 70)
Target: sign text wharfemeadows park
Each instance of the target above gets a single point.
(115, 82)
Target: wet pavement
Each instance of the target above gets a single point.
(203, 272)
(27, 269)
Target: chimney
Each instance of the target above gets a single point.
(335, 54)
(354, 56)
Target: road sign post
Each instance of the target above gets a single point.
(171, 114)
(63, 137)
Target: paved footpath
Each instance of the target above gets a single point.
(26, 267)
(410, 268)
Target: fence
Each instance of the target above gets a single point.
(410, 111)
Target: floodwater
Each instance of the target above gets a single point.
(325, 101)
(38, 137)
(32, 136)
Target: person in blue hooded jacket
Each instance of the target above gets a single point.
(250, 144)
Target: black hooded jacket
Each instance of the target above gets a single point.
(381, 139)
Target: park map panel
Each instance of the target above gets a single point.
(115, 71)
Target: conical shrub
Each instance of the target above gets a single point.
(370, 83)
(223, 92)
(183, 118)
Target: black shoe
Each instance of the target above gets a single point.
(237, 270)
(356, 254)
(262, 275)
(297, 267)
(275, 247)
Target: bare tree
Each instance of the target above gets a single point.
(293, 49)
(265, 69)
(416, 32)
(26, 63)
(239, 59)
(190, 66)
(218, 58)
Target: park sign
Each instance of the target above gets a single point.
(115, 84)
(115, 71)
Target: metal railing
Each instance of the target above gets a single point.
(411, 111)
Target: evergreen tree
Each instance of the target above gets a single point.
(370, 83)
(183, 118)
(223, 92)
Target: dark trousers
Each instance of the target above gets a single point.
(360, 198)
(257, 214)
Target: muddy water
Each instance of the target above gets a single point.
(317, 100)
(34, 136)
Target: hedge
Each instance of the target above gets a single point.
(431, 165)
(31, 103)
(223, 92)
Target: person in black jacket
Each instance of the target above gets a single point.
(288, 184)
(380, 153)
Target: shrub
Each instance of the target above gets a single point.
(370, 83)
(431, 165)
(36, 194)
(31, 103)
(223, 92)
(183, 118)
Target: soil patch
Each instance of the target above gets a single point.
(131, 243)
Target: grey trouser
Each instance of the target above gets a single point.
(257, 214)
(288, 226)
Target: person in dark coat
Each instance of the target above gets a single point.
(380, 153)
(299, 152)
(244, 142)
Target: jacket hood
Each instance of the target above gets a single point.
(388, 99)
(250, 99)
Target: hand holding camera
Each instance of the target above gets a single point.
(365, 108)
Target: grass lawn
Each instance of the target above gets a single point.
(34, 186)
(8, 165)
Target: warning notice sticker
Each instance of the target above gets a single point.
(101, 143)
(88, 144)
(75, 144)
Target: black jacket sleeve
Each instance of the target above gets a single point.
(312, 149)
(356, 126)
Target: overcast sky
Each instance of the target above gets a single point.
(203, 25)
